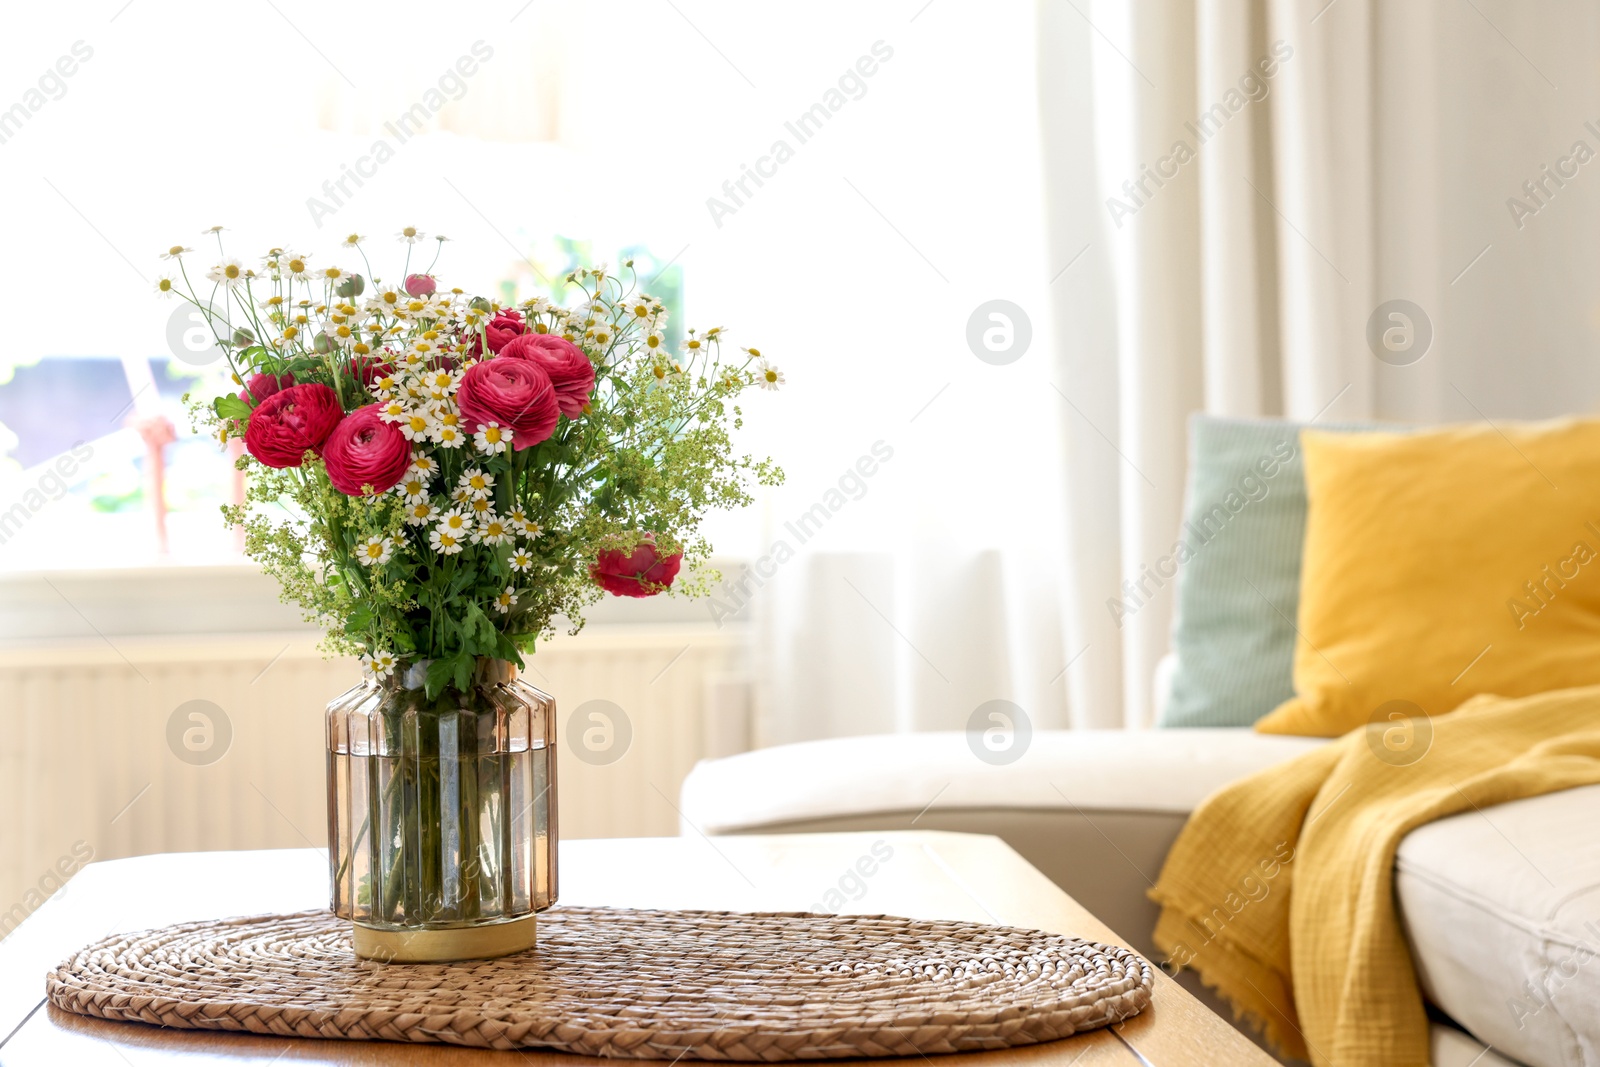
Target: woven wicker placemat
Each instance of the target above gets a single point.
(627, 983)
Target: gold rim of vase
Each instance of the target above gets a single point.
(389, 945)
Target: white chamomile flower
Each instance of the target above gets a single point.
(446, 543)
(481, 508)
(385, 300)
(165, 284)
(414, 489)
(492, 530)
(506, 600)
(341, 333)
(175, 252)
(461, 495)
(352, 240)
(479, 482)
(655, 341)
(417, 426)
(448, 436)
(491, 439)
(519, 520)
(293, 264)
(521, 560)
(230, 274)
(376, 551)
(455, 522)
(423, 466)
(421, 513)
(393, 411)
(411, 235)
(641, 306)
(768, 376)
(210, 231)
(439, 382)
(379, 664)
(333, 275)
(601, 336)
(693, 345)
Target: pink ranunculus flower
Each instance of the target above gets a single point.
(570, 370)
(641, 573)
(261, 386)
(365, 451)
(515, 394)
(421, 285)
(501, 329)
(292, 422)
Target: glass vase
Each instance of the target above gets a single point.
(442, 814)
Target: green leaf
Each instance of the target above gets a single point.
(439, 672)
(229, 406)
(477, 631)
(463, 670)
(360, 618)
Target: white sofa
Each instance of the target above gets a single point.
(1493, 901)
(1095, 810)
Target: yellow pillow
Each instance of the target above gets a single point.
(1442, 565)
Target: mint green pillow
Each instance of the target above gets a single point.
(1239, 571)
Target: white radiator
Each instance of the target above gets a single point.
(92, 764)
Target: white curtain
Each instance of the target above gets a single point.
(1338, 155)
(933, 587)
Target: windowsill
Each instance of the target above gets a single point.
(188, 599)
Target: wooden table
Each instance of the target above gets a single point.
(930, 876)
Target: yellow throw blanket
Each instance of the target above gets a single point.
(1279, 891)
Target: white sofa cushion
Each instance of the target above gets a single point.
(1095, 770)
(1502, 908)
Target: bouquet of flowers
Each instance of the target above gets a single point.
(437, 477)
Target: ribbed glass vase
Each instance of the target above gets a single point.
(442, 814)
